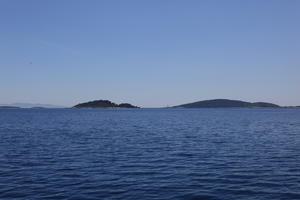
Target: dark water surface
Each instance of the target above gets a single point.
(193, 154)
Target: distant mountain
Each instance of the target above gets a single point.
(32, 105)
(226, 103)
(103, 104)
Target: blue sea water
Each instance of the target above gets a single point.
(161, 154)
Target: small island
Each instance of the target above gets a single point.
(9, 107)
(103, 104)
(226, 103)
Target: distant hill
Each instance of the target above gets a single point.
(226, 103)
(7, 107)
(31, 105)
(291, 107)
(103, 104)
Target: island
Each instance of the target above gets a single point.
(291, 107)
(227, 103)
(9, 107)
(103, 104)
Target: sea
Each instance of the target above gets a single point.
(150, 154)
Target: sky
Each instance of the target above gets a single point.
(150, 53)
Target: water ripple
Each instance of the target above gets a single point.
(196, 154)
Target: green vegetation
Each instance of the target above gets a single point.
(226, 103)
(103, 104)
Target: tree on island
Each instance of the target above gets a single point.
(103, 104)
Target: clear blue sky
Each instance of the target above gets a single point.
(149, 52)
